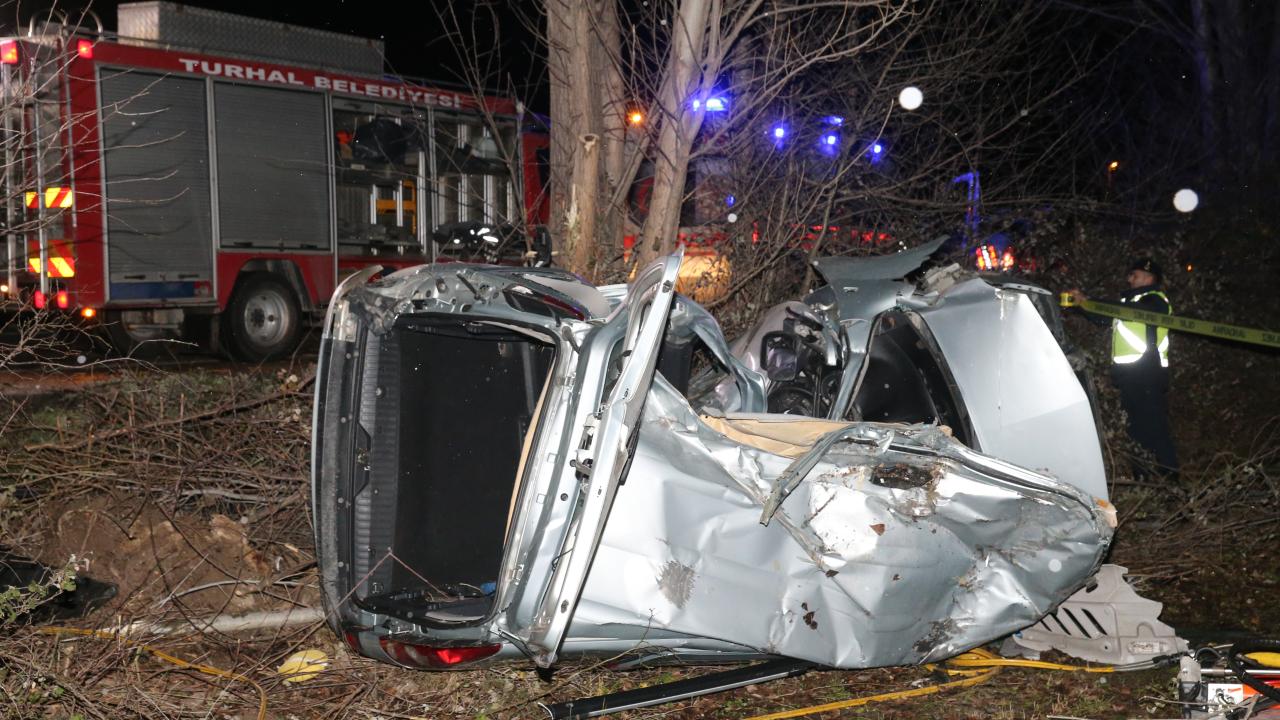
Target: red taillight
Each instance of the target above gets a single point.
(38, 300)
(9, 52)
(455, 656)
(352, 638)
(84, 48)
(433, 657)
(62, 300)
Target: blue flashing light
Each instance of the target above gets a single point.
(729, 200)
(834, 120)
(876, 149)
(779, 132)
(829, 143)
(715, 103)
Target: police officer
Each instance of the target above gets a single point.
(1140, 367)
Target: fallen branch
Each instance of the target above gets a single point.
(228, 624)
(208, 414)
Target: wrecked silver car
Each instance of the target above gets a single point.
(510, 462)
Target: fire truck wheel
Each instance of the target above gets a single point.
(263, 319)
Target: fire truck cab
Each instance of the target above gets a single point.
(212, 176)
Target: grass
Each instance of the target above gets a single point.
(1202, 568)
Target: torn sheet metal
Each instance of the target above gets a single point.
(745, 388)
(1022, 397)
(840, 271)
(888, 553)
(858, 289)
(886, 542)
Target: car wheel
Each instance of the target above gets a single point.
(263, 319)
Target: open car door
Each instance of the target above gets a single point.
(605, 444)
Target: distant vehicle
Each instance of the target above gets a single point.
(168, 189)
(510, 463)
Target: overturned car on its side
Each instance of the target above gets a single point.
(510, 462)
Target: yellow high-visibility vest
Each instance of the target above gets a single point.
(1129, 338)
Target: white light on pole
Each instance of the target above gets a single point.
(910, 98)
(1186, 200)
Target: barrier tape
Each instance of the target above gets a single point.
(1252, 336)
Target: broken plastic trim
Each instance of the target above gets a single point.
(601, 705)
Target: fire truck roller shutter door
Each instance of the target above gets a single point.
(156, 168)
(273, 168)
(263, 320)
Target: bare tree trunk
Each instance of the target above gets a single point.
(679, 127)
(581, 231)
(575, 114)
(608, 73)
(1206, 74)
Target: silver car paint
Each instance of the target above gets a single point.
(856, 568)
(1022, 396)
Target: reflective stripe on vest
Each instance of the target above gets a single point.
(1129, 338)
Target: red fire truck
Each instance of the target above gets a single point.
(213, 176)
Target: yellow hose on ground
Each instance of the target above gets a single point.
(156, 652)
(974, 662)
(978, 665)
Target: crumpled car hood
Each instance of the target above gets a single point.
(899, 547)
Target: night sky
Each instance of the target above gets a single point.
(415, 47)
(1139, 78)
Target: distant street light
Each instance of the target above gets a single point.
(1113, 166)
(910, 98)
(1186, 200)
(635, 118)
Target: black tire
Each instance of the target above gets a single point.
(263, 320)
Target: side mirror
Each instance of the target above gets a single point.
(780, 359)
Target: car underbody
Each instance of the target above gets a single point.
(509, 462)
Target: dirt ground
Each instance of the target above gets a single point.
(187, 489)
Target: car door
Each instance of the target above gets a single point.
(605, 444)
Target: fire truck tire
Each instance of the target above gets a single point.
(263, 320)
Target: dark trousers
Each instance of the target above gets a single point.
(1144, 395)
